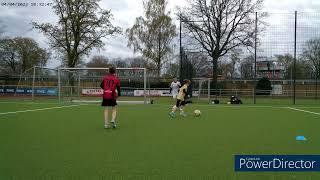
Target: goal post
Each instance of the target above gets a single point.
(83, 84)
(34, 83)
(202, 90)
(44, 77)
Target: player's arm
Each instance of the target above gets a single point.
(102, 85)
(185, 91)
(170, 88)
(118, 88)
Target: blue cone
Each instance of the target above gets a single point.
(301, 138)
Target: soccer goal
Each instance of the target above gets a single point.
(34, 83)
(82, 85)
(201, 89)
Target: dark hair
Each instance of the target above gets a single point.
(112, 70)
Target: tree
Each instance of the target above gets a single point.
(172, 70)
(302, 70)
(264, 86)
(225, 70)
(98, 62)
(152, 35)
(201, 63)
(221, 25)
(188, 68)
(286, 60)
(81, 27)
(30, 54)
(138, 62)
(246, 67)
(8, 55)
(235, 59)
(20, 54)
(311, 55)
(120, 63)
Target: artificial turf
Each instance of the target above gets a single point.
(71, 143)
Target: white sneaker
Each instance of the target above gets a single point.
(106, 126)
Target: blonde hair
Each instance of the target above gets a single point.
(186, 81)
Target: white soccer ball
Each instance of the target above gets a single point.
(197, 113)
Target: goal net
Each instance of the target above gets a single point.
(201, 89)
(33, 84)
(83, 85)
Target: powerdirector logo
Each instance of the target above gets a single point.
(273, 163)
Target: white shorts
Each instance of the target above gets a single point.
(174, 96)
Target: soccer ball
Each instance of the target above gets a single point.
(197, 113)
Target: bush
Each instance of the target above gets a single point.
(263, 87)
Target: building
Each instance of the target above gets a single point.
(269, 67)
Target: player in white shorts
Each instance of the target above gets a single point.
(174, 88)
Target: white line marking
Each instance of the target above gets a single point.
(42, 109)
(301, 110)
(28, 102)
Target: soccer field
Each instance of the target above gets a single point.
(67, 141)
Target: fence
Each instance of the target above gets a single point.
(202, 91)
(286, 51)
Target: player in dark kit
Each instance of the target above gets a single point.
(111, 90)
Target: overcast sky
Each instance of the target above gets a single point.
(17, 19)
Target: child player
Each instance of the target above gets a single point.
(180, 99)
(111, 89)
(174, 88)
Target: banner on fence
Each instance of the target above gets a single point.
(99, 92)
(137, 93)
(28, 91)
(152, 93)
(276, 89)
(92, 92)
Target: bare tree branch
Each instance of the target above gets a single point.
(220, 26)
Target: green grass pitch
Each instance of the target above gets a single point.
(70, 142)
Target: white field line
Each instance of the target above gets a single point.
(22, 102)
(42, 109)
(301, 110)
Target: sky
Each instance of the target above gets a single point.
(16, 20)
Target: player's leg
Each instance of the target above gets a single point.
(114, 114)
(106, 117)
(104, 104)
(175, 108)
(174, 97)
(182, 107)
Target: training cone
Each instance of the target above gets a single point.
(301, 138)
